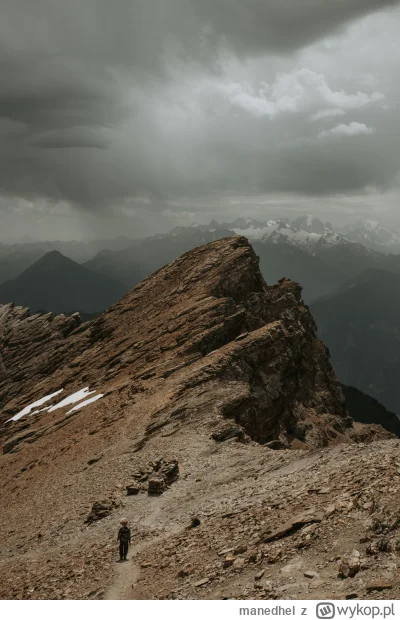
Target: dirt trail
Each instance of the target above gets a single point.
(127, 574)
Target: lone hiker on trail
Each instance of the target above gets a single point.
(124, 538)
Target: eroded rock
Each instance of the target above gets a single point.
(350, 565)
(100, 510)
(294, 524)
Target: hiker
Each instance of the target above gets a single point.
(124, 538)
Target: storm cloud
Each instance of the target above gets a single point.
(136, 106)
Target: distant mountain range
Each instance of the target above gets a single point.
(57, 284)
(127, 260)
(306, 232)
(315, 256)
(360, 323)
(16, 257)
(374, 236)
(312, 234)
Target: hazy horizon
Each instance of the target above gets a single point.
(340, 223)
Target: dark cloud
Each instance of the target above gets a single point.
(96, 101)
(255, 26)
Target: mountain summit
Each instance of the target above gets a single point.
(55, 283)
(51, 261)
(312, 224)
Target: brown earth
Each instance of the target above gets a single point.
(205, 365)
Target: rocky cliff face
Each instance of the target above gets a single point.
(186, 381)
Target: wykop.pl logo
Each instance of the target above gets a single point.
(325, 611)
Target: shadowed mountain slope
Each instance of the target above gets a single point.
(360, 324)
(57, 284)
(368, 410)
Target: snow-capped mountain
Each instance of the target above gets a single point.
(312, 224)
(312, 234)
(252, 229)
(282, 231)
(309, 241)
(374, 235)
(197, 232)
(306, 232)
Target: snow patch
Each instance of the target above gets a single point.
(74, 398)
(34, 405)
(81, 394)
(85, 402)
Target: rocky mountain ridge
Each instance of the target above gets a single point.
(218, 309)
(175, 407)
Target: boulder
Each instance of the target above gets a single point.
(157, 484)
(100, 510)
(170, 471)
(350, 565)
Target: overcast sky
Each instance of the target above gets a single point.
(128, 116)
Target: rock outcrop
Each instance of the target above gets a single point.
(31, 347)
